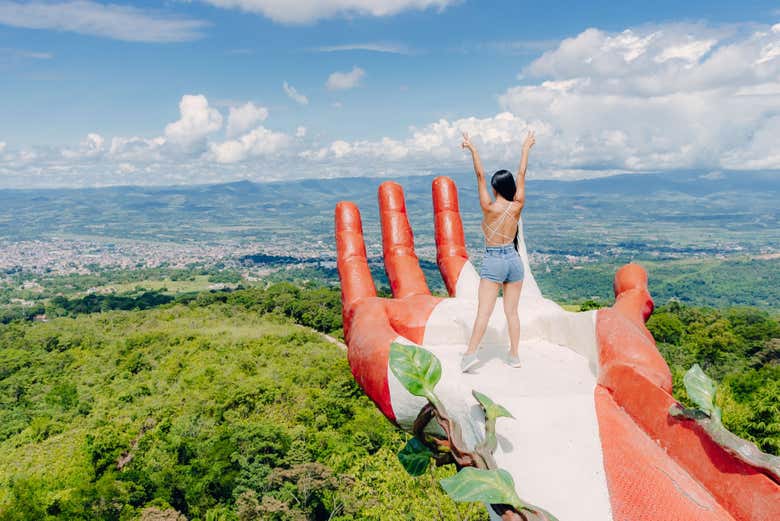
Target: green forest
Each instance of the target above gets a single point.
(231, 406)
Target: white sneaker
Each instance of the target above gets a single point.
(513, 361)
(468, 361)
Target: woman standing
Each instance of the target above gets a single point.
(502, 265)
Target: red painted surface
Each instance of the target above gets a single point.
(623, 342)
(371, 324)
(368, 339)
(403, 269)
(356, 282)
(746, 492)
(451, 254)
(644, 483)
(658, 468)
(635, 387)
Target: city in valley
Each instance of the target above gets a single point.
(576, 232)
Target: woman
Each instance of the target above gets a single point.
(502, 265)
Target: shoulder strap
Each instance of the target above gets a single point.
(495, 228)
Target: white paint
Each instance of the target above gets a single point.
(552, 448)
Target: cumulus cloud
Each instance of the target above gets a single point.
(294, 95)
(437, 143)
(306, 11)
(241, 119)
(665, 97)
(119, 22)
(653, 98)
(91, 146)
(2, 146)
(259, 142)
(197, 121)
(345, 80)
(137, 148)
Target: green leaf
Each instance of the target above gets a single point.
(487, 486)
(492, 409)
(701, 390)
(418, 370)
(415, 457)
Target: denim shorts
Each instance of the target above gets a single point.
(502, 264)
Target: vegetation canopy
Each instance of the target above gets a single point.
(221, 406)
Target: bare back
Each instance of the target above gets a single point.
(499, 222)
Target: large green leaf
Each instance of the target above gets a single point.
(415, 457)
(701, 389)
(486, 486)
(418, 370)
(492, 409)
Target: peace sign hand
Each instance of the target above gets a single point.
(467, 142)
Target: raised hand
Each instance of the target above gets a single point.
(591, 401)
(467, 142)
(530, 140)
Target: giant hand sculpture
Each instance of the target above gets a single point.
(592, 438)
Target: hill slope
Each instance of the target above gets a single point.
(212, 410)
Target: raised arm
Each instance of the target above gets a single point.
(484, 196)
(529, 142)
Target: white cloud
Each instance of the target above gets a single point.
(119, 22)
(36, 55)
(497, 138)
(345, 80)
(666, 97)
(2, 146)
(689, 52)
(91, 146)
(674, 94)
(241, 119)
(656, 98)
(258, 142)
(511, 47)
(712, 176)
(381, 47)
(307, 11)
(197, 121)
(126, 168)
(769, 52)
(294, 95)
(6, 52)
(136, 148)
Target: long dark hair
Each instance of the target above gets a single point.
(503, 182)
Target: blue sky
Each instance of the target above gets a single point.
(98, 93)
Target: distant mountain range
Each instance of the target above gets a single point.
(686, 211)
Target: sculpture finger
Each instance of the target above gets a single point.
(451, 254)
(631, 295)
(356, 281)
(636, 390)
(403, 269)
(623, 339)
